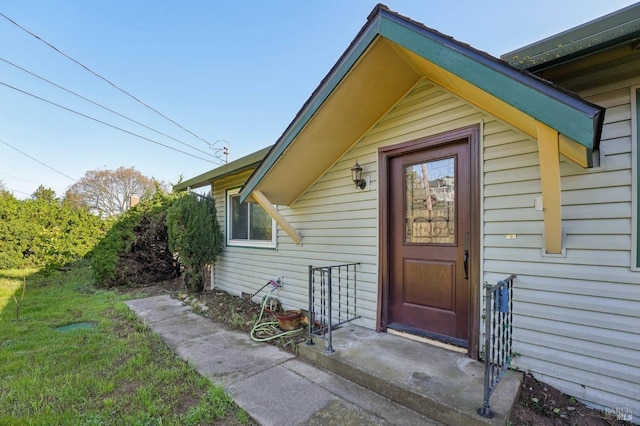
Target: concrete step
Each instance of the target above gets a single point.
(442, 384)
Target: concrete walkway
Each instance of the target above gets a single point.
(271, 385)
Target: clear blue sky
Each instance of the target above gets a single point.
(237, 71)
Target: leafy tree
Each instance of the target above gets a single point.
(44, 194)
(55, 234)
(108, 192)
(74, 201)
(13, 236)
(195, 234)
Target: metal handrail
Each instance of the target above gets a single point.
(498, 348)
(322, 321)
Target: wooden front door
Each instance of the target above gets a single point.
(429, 207)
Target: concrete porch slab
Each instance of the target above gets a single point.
(444, 385)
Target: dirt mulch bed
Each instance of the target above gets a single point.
(542, 405)
(232, 311)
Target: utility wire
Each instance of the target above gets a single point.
(16, 190)
(103, 122)
(104, 107)
(18, 177)
(37, 161)
(103, 78)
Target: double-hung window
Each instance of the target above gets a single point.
(248, 224)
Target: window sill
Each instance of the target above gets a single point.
(247, 244)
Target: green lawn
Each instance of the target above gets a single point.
(117, 373)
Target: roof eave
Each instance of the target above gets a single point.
(240, 165)
(599, 34)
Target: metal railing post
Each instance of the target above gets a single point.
(485, 410)
(311, 313)
(329, 316)
(498, 337)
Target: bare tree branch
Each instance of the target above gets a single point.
(108, 192)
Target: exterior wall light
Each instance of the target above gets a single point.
(356, 175)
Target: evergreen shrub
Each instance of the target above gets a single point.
(194, 233)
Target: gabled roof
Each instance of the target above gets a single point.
(606, 32)
(240, 165)
(388, 57)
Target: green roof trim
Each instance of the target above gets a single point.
(607, 31)
(564, 112)
(240, 165)
(559, 109)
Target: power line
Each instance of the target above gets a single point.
(37, 161)
(104, 122)
(16, 190)
(18, 177)
(104, 107)
(103, 78)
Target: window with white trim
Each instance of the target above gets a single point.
(248, 224)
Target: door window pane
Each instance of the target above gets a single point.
(430, 189)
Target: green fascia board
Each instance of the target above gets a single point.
(563, 111)
(560, 110)
(607, 31)
(237, 166)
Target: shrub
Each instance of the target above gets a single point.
(194, 233)
(55, 234)
(135, 251)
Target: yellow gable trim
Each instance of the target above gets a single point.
(549, 152)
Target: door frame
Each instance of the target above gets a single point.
(385, 154)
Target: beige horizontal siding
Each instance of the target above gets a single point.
(559, 272)
(610, 210)
(512, 175)
(558, 368)
(576, 316)
(570, 310)
(338, 223)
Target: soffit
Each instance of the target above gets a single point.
(366, 93)
(615, 64)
